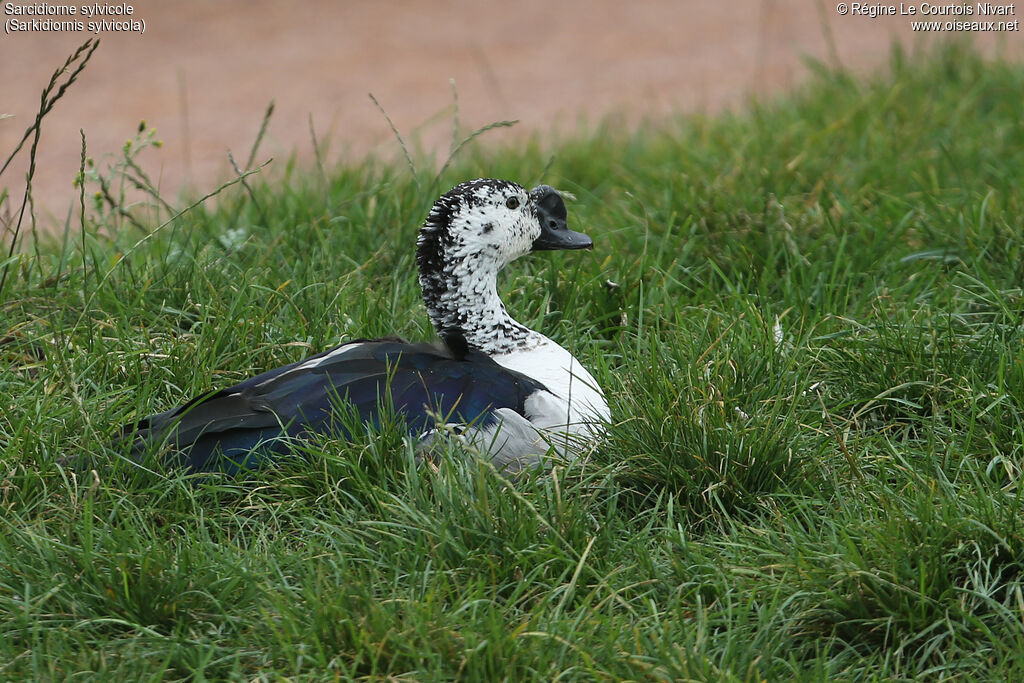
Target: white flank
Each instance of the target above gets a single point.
(575, 402)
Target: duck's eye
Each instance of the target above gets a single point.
(512, 202)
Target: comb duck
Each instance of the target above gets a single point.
(509, 391)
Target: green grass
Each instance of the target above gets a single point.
(812, 347)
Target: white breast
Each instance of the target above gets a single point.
(575, 402)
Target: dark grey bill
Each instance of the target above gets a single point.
(554, 232)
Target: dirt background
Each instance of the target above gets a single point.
(203, 72)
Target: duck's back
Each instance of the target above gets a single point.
(255, 419)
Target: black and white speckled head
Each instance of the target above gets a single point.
(471, 233)
(482, 219)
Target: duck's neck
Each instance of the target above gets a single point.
(461, 296)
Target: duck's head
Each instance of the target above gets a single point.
(471, 233)
(494, 222)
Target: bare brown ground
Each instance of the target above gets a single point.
(204, 71)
